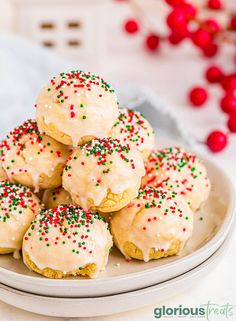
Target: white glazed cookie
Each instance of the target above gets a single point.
(18, 207)
(76, 107)
(156, 224)
(103, 175)
(52, 198)
(131, 127)
(175, 168)
(67, 241)
(33, 159)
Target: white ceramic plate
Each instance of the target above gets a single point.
(107, 305)
(121, 276)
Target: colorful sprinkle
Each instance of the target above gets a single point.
(132, 127)
(73, 223)
(15, 199)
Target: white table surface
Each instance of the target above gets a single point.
(168, 73)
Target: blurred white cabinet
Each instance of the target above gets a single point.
(72, 27)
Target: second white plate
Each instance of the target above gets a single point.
(109, 305)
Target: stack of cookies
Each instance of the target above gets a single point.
(85, 173)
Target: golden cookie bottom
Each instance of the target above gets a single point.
(111, 203)
(5, 250)
(88, 270)
(52, 131)
(132, 251)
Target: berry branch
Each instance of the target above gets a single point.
(208, 35)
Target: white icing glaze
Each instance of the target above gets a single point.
(78, 180)
(59, 256)
(190, 180)
(131, 127)
(149, 228)
(17, 255)
(99, 106)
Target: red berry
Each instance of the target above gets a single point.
(131, 26)
(175, 3)
(211, 25)
(214, 74)
(176, 36)
(228, 104)
(232, 122)
(176, 19)
(233, 22)
(211, 50)
(152, 42)
(229, 82)
(214, 4)
(202, 38)
(216, 141)
(198, 96)
(189, 10)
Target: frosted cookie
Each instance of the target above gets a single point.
(76, 107)
(156, 224)
(181, 171)
(33, 159)
(67, 241)
(103, 175)
(132, 128)
(52, 198)
(18, 207)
